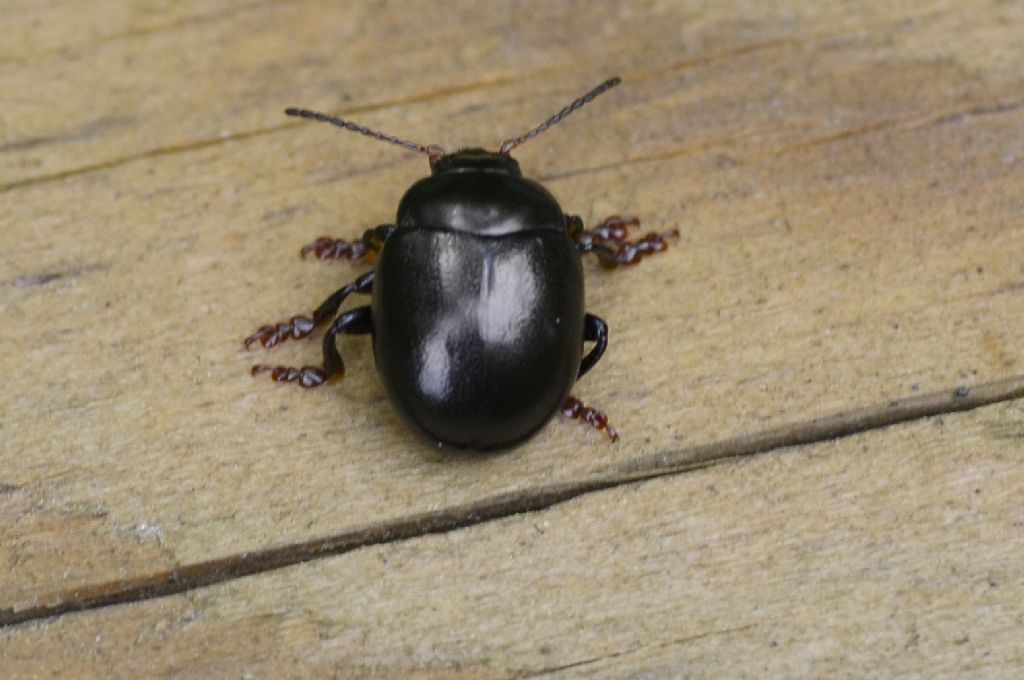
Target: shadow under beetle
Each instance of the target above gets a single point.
(477, 315)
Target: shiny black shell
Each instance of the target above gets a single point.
(478, 305)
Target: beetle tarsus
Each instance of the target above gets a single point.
(363, 250)
(307, 376)
(327, 248)
(609, 242)
(615, 228)
(302, 326)
(296, 328)
(577, 410)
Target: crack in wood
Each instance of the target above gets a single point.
(201, 574)
(241, 136)
(188, 21)
(149, 153)
(43, 278)
(85, 131)
(635, 649)
(911, 121)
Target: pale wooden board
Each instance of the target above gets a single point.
(892, 552)
(847, 183)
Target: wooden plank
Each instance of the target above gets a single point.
(38, 29)
(893, 552)
(847, 186)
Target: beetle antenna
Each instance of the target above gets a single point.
(433, 151)
(510, 144)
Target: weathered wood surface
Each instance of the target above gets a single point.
(847, 180)
(809, 562)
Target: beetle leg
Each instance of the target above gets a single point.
(594, 330)
(613, 229)
(301, 326)
(365, 249)
(608, 240)
(307, 376)
(577, 410)
(356, 321)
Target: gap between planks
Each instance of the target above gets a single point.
(210, 572)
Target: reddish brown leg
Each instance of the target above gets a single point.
(296, 328)
(327, 248)
(575, 409)
(307, 376)
(363, 250)
(615, 228)
(356, 321)
(299, 327)
(608, 240)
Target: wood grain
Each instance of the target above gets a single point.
(896, 550)
(846, 180)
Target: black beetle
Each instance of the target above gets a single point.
(477, 316)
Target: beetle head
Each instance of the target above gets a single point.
(463, 160)
(476, 160)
